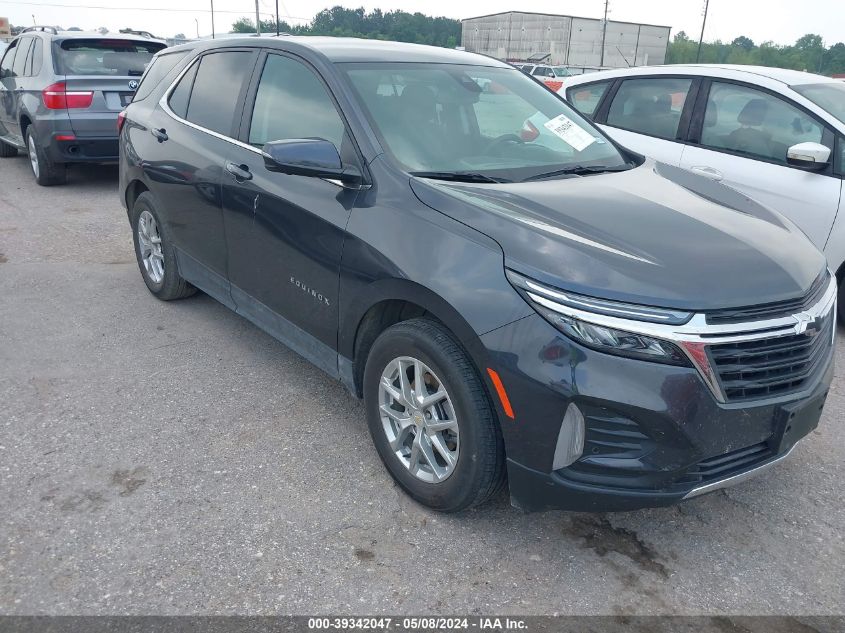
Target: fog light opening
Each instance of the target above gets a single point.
(570, 440)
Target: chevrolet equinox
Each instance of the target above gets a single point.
(598, 330)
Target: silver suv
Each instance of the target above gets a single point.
(61, 92)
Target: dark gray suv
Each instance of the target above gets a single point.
(61, 92)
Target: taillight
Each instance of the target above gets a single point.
(529, 132)
(121, 119)
(57, 97)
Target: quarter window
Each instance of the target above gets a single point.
(181, 94)
(216, 90)
(650, 106)
(156, 71)
(586, 98)
(754, 123)
(293, 103)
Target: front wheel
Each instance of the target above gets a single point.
(840, 307)
(46, 172)
(430, 418)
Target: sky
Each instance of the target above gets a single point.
(781, 21)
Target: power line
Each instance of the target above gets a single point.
(92, 6)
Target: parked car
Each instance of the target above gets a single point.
(552, 76)
(564, 311)
(61, 92)
(774, 134)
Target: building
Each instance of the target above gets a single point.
(568, 40)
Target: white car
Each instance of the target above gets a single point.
(776, 135)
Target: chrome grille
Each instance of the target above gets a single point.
(770, 367)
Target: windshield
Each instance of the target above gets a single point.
(828, 96)
(105, 57)
(562, 71)
(494, 122)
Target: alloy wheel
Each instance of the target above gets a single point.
(419, 419)
(149, 242)
(33, 154)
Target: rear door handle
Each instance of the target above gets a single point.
(707, 172)
(160, 134)
(240, 172)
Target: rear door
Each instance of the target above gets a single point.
(740, 136)
(650, 115)
(108, 69)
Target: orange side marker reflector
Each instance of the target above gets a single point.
(500, 389)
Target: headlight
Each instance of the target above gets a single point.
(566, 311)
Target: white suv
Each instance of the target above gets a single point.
(776, 135)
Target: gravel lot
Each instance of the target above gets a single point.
(173, 459)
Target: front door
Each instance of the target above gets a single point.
(11, 74)
(285, 232)
(744, 135)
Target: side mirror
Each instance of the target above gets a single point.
(813, 156)
(313, 157)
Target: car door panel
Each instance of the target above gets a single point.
(742, 134)
(9, 94)
(286, 232)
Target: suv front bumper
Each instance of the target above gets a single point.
(654, 434)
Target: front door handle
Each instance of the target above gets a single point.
(707, 172)
(160, 134)
(240, 172)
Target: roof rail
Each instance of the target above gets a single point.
(44, 29)
(146, 34)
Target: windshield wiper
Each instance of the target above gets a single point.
(458, 176)
(580, 170)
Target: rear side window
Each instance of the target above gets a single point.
(216, 90)
(586, 98)
(19, 69)
(293, 103)
(35, 58)
(156, 71)
(119, 58)
(650, 106)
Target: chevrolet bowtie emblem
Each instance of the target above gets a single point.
(805, 322)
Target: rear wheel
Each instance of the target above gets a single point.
(430, 418)
(7, 151)
(46, 172)
(155, 255)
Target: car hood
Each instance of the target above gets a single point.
(654, 235)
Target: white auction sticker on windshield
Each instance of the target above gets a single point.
(571, 133)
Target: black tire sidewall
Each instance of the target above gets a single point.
(171, 279)
(461, 488)
(49, 173)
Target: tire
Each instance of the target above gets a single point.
(156, 260)
(840, 307)
(46, 172)
(7, 151)
(478, 471)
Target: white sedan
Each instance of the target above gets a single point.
(777, 135)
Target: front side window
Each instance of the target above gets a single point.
(541, 71)
(586, 98)
(292, 103)
(650, 106)
(493, 121)
(114, 57)
(754, 123)
(8, 60)
(216, 90)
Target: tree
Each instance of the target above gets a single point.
(745, 43)
(103, 30)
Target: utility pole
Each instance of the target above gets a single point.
(277, 18)
(604, 32)
(257, 20)
(703, 23)
(212, 19)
